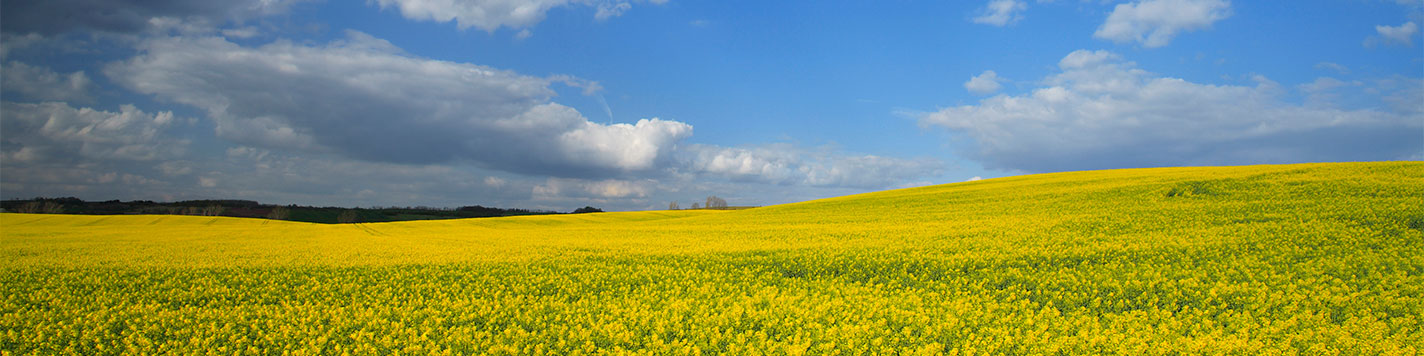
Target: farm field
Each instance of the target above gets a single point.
(1309, 259)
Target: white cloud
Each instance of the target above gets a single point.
(1402, 34)
(364, 98)
(489, 15)
(55, 132)
(241, 32)
(557, 188)
(10, 42)
(175, 168)
(494, 181)
(335, 123)
(1337, 67)
(1083, 58)
(626, 147)
(607, 10)
(984, 83)
(1153, 23)
(1001, 12)
(1101, 112)
(107, 178)
(974, 178)
(789, 165)
(43, 84)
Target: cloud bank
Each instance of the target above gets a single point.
(56, 133)
(360, 119)
(1102, 112)
(784, 164)
(42, 84)
(365, 99)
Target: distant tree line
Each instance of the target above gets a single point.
(712, 202)
(253, 209)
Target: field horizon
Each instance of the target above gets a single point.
(731, 208)
(1315, 258)
(488, 177)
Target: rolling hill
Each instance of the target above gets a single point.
(1297, 259)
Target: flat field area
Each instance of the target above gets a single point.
(1310, 259)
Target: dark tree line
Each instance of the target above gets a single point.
(252, 209)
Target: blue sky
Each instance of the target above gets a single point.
(628, 105)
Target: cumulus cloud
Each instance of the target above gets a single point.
(1153, 23)
(10, 42)
(175, 168)
(241, 32)
(126, 16)
(1001, 12)
(1102, 112)
(785, 164)
(58, 133)
(359, 121)
(495, 181)
(1084, 58)
(607, 10)
(1401, 35)
(53, 149)
(489, 15)
(624, 146)
(560, 188)
(364, 98)
(1336, 67)
(984, 83)
(42, 84)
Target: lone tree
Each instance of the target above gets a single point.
(279, 213)
(713, 202)
(587, 209)
(672, 205)
(695, 206)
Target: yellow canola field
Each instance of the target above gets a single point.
(1308, 259)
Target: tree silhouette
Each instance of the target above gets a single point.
(279, 213)
(713, 202)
